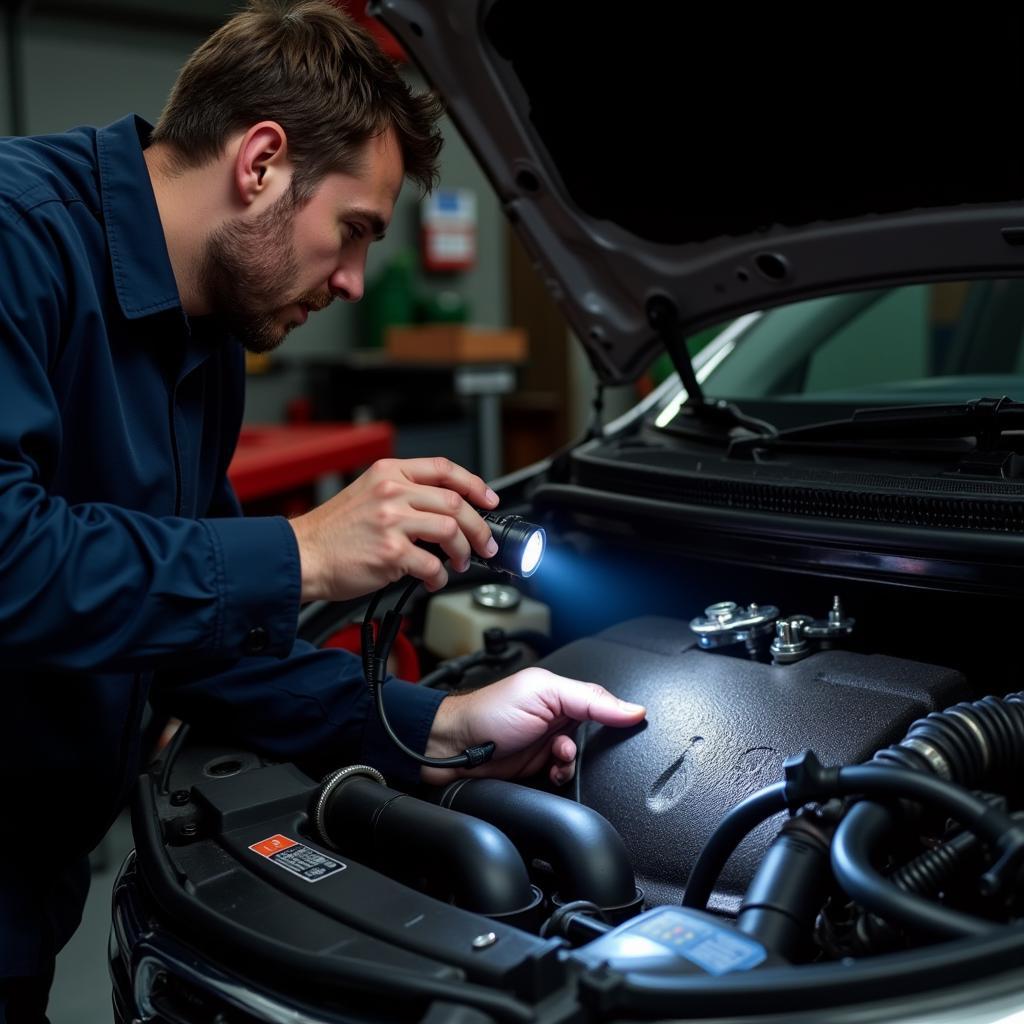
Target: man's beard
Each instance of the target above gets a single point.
(242, 271)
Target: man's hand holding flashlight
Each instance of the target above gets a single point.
(365, 537)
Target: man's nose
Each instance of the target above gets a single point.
(347, 282)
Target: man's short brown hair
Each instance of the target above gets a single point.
(308, 66)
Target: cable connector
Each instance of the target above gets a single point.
(389, 627)
(476, 756)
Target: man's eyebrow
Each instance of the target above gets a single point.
(374, 219)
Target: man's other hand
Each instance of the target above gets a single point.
(531, 717)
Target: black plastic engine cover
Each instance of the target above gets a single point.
(718, 729)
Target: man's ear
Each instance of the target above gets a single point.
(262, 170)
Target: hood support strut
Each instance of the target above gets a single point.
(663, 316)
(698, 417)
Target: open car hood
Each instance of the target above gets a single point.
(671, 169)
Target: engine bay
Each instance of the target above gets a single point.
(813, 815)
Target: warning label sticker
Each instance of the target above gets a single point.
(298, 859)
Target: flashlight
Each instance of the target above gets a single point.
(520, 544)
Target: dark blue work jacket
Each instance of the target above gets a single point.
(126, 570)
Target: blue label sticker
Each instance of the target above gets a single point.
(448, 201)
(712, 947)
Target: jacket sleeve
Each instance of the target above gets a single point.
(98, 585)
(311, 706)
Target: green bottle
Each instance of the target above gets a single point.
(389, 299)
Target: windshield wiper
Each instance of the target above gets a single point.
(984, 419)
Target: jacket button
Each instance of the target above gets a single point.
(256, 640)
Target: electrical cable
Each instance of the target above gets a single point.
(375, 659)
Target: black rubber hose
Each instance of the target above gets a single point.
(453, 670)
(967, 743)
(475, 862)
(732, 830)
(860, 833)
(929, 872)
(1003, 834)
(587, 855)
(576, 921)
(782, 901)
(857, 839)
(875, 780)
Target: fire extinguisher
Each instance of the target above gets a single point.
(448, 230)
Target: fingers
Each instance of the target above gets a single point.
(585, 702)
(563, 748)
(468, 528)
(557, 753)
(563, 754)
(441, 472)
(443, 531)
(423, 566)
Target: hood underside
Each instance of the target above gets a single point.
(716, 162)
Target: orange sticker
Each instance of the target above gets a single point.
(308, 863)
(275, 844)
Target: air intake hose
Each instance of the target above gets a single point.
(587, 855)
(475, 864)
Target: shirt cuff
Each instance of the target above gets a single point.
(259, 584)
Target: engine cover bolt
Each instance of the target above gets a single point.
(789, 644)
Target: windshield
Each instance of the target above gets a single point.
(944, 342)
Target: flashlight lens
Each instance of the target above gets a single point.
(532, 552)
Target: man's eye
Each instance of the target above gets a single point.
(355, 231)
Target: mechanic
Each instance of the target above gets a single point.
(138, 263)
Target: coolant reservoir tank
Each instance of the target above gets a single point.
(456, 620)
